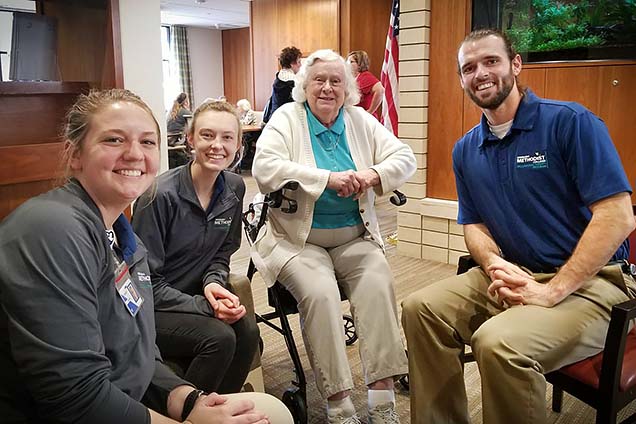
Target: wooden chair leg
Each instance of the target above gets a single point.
(557, 398)
(606, 416)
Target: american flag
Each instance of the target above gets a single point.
(389, 76)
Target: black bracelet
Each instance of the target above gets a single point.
(190, 400)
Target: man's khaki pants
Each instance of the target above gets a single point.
(513, 347)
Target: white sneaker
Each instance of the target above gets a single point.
(384, 414)
(339, 419)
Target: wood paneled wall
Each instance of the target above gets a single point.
(341, 25)
(31, 116)
(309, 25)
(449, 23)
(238, 81)
(364, 26)
(606, 88)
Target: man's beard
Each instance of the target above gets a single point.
(495, 102)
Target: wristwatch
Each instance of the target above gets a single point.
(189, 402)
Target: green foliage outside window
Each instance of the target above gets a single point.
(547, 25)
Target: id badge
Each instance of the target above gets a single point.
(127, 290)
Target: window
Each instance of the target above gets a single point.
(171, 87)
(7, 10)
(556, 30)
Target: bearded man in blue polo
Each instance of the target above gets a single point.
(546, 209)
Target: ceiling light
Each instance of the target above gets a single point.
(200, 1)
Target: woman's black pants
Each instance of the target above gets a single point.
(216, 356)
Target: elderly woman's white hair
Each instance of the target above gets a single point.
(352, 95)
(244, 104)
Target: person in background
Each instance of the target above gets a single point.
(341, 158)
(246, 113)
(248, 117)
(546, 208)
(289, 60)
(371, 90)
(77, 321)
(177, 120)
(191, 225)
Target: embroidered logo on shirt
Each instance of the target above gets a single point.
(144, 279)
(223, 222)
(537, 160)
(142, 276)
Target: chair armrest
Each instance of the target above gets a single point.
(465, 263)
(625, 310)
(240, 286)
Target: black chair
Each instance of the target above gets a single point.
(178, 152)
(295, 398)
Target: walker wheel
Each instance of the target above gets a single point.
(404, 381)
(294, 400)
(350, 330)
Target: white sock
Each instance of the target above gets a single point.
(380, 397)
(343, 407)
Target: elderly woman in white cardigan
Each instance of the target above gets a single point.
(341, 156)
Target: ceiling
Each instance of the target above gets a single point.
(215, 14)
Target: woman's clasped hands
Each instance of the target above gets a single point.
(352, 183)
(226, 305)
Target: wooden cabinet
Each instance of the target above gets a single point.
(608, 90)
(616, 107)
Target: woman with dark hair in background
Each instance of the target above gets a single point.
(176, 131)
(177, 115)
(371, 90)
(289, 61)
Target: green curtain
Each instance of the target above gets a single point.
(179, 43)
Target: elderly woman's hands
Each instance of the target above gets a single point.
(344, 183)
(367, 178)
(348, 183)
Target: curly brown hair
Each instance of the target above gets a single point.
(288, 56)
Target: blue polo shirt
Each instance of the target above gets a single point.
(533, 188)
(331, 151)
